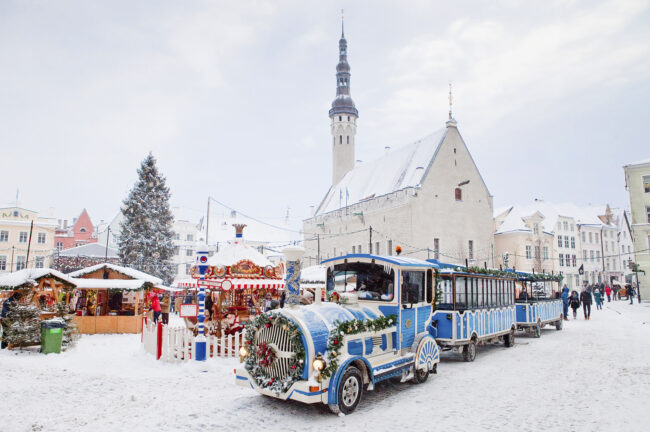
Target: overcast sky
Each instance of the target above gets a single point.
(231, 97)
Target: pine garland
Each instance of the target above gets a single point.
(261, 356)
(510, 274)
(344, 328)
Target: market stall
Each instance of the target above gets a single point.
(43, 287)
(110, 299)
(239, 282)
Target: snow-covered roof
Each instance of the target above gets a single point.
(231, 254)
(398, 169)
(122, 284)
(94, 250)
(583, 215)
(317, 273)
(135, 274)
(641, 162)
(29, 276)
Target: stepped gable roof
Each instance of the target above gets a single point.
(132, 273)
(93, 250)
(398, 169)
(26, 277)
(236, 252)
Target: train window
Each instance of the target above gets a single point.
(447, 292)
(493, 293)
(480, 292)
(412, 287)
(430, 282)
(370, 281)
(461, 297)
(470, 291)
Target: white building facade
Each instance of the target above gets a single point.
(637, 182)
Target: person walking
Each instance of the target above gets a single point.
(631, 293)
(574, 302)
(598, 298)
(165, 305)
(565, 301)
(586, 300)
(608, 292)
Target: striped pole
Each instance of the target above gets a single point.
(293, 255)
(200, 342)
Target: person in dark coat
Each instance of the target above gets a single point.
(208, 306)
(586, 300)
(565, 301)
(6, 306)
(283, 298)
(574, 302)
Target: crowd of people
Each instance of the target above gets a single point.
(589, 295)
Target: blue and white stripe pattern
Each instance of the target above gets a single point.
(544, 311)
(454, 326)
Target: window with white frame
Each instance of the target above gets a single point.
(622, 249)
(189, 252)
(470, 249)
(3, 263)
(572, 227)
(607, 264)
(187, 268)
(646, 184)
(559, 241)
(537, 254)
(38, 263)
(598, 255)
(584, 255)
(561, 260)
(22, 237)
(566, 242)
(577, 280)
(535, 228)
(354, 249)
(591, 239)
(575, 261)
(377, 248)
(189, 237)
(591, 255)
(359, 249)
(4, 236)
(606, 246)
(59, 246)
(436, 248)
(573, 242)
(566, 225)
(545, 252)
(40, 238)
(21, 262)
(529, 252)
(647, 213)
(584, 237)
(597, 238)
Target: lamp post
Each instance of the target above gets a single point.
(200, 341)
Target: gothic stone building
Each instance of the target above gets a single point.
(427, 197)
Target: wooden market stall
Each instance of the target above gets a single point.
(110, 298)
(43, 287)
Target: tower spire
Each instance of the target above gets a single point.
(450, 101)
(342, 26)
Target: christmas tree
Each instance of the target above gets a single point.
(24, 325)
(146, 238)
(70, 332)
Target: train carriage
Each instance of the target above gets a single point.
(331, 353)
(474, 309)
(538, 304)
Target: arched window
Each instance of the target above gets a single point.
(459, 194)
(82, 230)
(340, 139)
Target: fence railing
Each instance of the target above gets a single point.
(176, 344)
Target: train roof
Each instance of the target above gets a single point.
(391, 259)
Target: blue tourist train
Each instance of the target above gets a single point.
(538, 303)
(330, 353)
(472, 309)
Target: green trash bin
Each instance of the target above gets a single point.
(51, 336)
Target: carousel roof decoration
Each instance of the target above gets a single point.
(241, 265)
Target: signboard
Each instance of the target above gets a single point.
(188, 310)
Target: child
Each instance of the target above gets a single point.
(598, 297)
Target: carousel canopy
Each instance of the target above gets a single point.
(236, 252)
(237, 284)
(29, 277)
(132, 273)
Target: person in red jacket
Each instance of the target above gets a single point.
(155, 306)
(608, 292)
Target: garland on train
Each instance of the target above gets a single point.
(510, 274)
(352, 327)
(260, 357)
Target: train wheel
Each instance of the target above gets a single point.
(509, 339)
(420, 376)
(559, 323)
(350, 391)
(537, 330)
(469, 351)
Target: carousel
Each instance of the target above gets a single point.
(240, 282)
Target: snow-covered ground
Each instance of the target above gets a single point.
(592, 376)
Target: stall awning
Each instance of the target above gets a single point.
(237, 283)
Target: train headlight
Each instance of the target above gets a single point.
(318, 364)
(243, 351)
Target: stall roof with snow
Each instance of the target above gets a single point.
(31, 277)
(128, 273)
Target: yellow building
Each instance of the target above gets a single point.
(637, 182)
(15, 227)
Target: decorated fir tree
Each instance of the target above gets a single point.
(146, 238)
(24, 327)
(70, 331)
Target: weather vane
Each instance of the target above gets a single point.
(450, 100)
